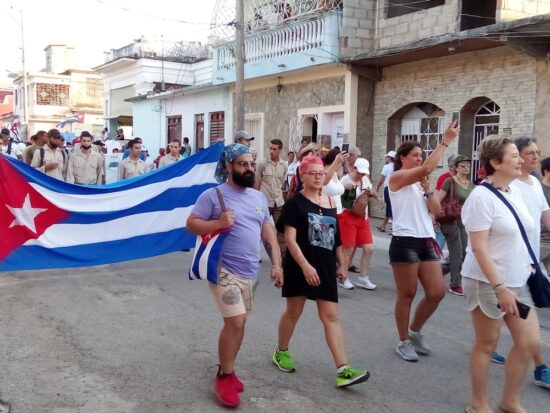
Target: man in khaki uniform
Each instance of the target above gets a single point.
(132, 165)
(270, 179)
(51, 159)
(174, 155)
(85, 165)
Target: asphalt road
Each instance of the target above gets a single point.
(141, 337)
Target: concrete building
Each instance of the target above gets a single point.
(59, 92)
(148, 66)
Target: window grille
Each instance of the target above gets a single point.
(52, 94)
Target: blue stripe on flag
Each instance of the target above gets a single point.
(36, 257)
(210, 155)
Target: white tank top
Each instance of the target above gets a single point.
(411, 217)
(335, 189)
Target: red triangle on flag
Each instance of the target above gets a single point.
(24, 213)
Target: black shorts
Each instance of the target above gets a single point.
(410, 250)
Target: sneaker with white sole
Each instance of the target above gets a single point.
(365, 282)
(406, 351)
(542, 376)
(420, 346)
(346, 285)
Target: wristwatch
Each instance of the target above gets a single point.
(428, 194)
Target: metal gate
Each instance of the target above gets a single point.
(486, 123)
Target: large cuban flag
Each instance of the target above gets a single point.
(47, 223)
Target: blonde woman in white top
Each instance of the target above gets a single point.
(412, 250)
(495, 273)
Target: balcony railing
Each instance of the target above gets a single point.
(315, 40)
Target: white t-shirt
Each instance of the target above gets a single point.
(536, 204)
(291, 171)
(387, 170)
(366, 184)
(484, 211)
(411, 217)
(15, 151)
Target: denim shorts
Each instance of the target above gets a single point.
(410, 250)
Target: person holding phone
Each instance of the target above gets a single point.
(495, 273)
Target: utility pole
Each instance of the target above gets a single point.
(239, 65)
(25, 94)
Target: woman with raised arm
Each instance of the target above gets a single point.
(413, 250)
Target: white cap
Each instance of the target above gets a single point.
(362, 165)
(391, 154)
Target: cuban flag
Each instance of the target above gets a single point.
(208, 253)
(47, 223)
(78, 117)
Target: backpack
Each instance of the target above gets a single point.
(42, 151)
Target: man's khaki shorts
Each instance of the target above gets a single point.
(234, 295)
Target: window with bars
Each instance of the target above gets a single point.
(426, 131)
(93, 87)
(217, 126)
(52, 94)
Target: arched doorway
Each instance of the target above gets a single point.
(486, 123)
(309, 128)
(420, 121)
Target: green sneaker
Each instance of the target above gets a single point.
(351, 376)
(283, 360)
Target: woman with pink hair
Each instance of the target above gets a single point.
(309, 223)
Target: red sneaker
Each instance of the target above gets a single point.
(226, 390)
(239, 386)
(456, 290)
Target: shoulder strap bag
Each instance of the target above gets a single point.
(208, 252)
(538, 282)
(450, 207)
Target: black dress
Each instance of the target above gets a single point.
(317, 235)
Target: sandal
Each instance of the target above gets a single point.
(379, 228)
(354, 269)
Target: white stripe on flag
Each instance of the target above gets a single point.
(117, 201)
(69, 235)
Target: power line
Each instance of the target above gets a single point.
(128, 10)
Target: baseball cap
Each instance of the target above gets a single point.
(242, 134)
(362, 165)
(391, 154)
(461, 158)
(98, 142)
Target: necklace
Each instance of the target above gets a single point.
(318, 202)
(502, 189)
(462, 181)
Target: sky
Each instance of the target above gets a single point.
(93, 26)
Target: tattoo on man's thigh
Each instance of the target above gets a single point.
(231, 296)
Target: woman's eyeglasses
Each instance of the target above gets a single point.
(315, 174)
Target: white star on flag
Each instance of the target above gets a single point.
(25, 215)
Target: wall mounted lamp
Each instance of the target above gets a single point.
(279, 87)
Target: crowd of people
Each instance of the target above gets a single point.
(82, 161)
(318, 202)
(311, 213)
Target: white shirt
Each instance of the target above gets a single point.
(387, 170)
(15, 151)
(366, 184)
(484, 211)
(411, 217)
(291, 171)
(536, 203)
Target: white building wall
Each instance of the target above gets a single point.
(150, 116)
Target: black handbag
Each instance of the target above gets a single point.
(538, 283)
